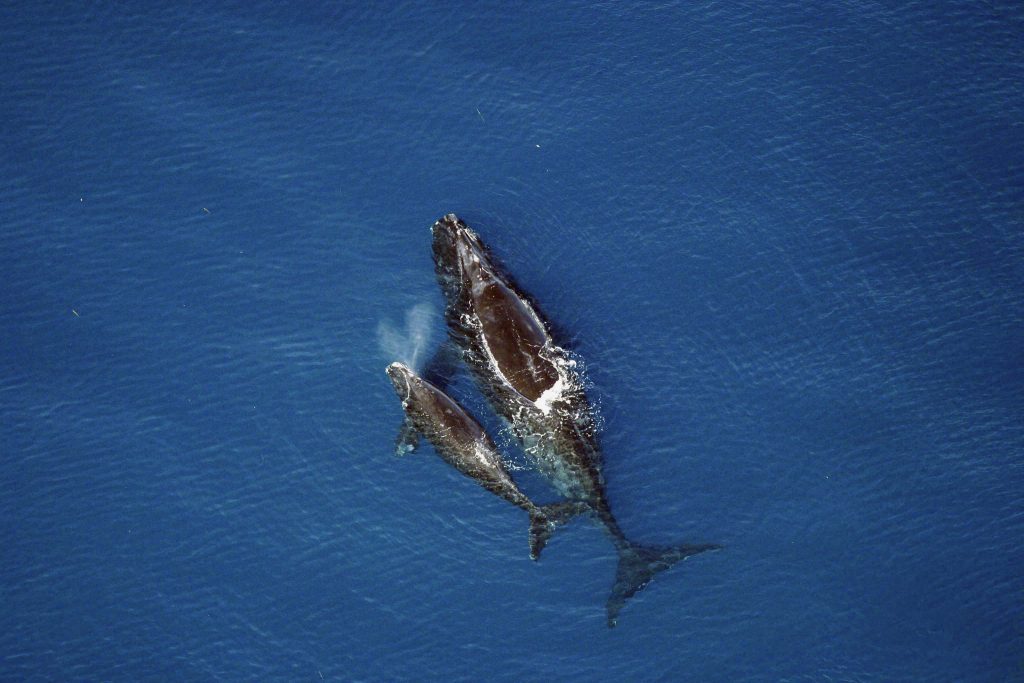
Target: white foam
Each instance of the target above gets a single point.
(483, 455)
(550, 395)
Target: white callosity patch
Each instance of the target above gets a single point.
(403, 371)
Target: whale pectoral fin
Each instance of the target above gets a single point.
(408, 439)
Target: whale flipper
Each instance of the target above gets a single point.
(545, 519)
(408, 438)
(638, 565)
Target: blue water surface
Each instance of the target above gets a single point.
(785, 238)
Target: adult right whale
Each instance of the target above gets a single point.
(534, 385)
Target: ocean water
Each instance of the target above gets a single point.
(785, 238)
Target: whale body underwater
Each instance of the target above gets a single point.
(536, 388)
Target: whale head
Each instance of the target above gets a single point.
(458, 252)
(403, 380)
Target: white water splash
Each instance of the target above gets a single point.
(414, 342)
(551, 394)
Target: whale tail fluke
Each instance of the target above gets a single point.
(638, 565)
(544, 519)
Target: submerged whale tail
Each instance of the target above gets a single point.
(544, 519)
(638, 565)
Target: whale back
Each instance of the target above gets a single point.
(514, 338)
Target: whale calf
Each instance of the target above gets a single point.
(463, 443)
(535, 386)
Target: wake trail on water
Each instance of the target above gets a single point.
(413, 344)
